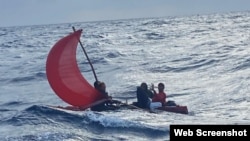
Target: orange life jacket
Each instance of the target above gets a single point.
(160, 97)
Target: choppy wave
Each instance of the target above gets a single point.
(95, 123)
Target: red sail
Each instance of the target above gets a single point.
(64, 75)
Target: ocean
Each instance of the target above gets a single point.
(203, 60)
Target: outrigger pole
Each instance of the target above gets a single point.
(86, 56)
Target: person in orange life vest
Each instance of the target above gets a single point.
(161, 95)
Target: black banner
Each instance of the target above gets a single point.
(186, 132)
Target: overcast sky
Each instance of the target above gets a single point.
(36, 12)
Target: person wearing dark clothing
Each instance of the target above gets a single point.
(96, 84)
(143, 100)
(109, 103)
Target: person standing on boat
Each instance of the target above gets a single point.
(143, 99)
(161, 96)
(109, 103)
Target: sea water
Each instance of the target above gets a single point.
(203, 60)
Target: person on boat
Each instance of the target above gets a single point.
(96, 84)
(143, 99)
(109, 104)
(101, 87)
(161, 96)
(149, 92)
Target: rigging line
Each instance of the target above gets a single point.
(87, 57)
